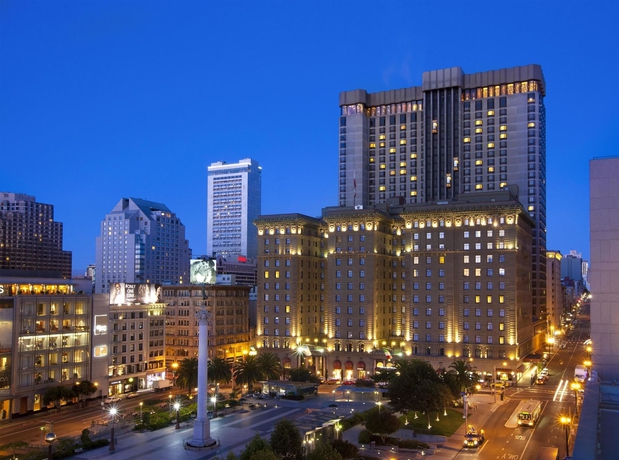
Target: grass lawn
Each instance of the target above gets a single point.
(446, 426)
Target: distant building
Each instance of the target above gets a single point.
(555, 294)
(363, 285)
(574, 268)
(141, 242)
(234, 200)
(45, 340)
(30, 239)
(243, 269)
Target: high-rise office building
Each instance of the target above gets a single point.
(456, 133)
(30, 239)
(141, 242)
(234, 201)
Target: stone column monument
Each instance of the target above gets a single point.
(202, 427)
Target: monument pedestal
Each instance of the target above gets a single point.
(201, 436)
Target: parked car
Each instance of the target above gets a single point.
(542, 380)
(111, 399)
(132, 395)
(333, 381)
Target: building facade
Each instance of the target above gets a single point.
(347, 293)
(234, 200)
(556, 292)
(229, 332)
(44, 340)
(604, 206)
(454, 134)
(141, 242)
(30, 239)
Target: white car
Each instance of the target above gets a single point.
(544, 372)
(111, 400)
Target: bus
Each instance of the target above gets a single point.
(529, 413)
(548, 453)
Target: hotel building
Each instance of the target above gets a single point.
(346, 293)
(30, 239)
(234, 200)
(456, 133)
(141, 242)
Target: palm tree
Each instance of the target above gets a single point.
(219, 371)
(187, 374)
(463, 373)
(248, 372)
(270, 365)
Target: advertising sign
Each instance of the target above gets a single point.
(134, 294)
(202, 271)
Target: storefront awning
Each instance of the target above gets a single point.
(349, 365)
(361, 365)
(337, 364)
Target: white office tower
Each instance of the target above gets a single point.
(141, 242)
(234, 198)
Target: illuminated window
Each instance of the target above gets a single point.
(479, 187)
(381, 188)
(382, 137)
(503, 136)
(479, 162)
(467, 140)
(413, 178)
(372, 160)
(503, 184)
(490, 145)
(372, 145)
(382, 166)
(266, 274)
(531, 208)
(413, 193)
(490, 169)
(531, 125)
(479, 122)
(381, 145)
(402, 141)
(490, 113)
(392, 150)
(402, 172)
(503, 128)
(479, 130)
(413, 156)
(402, 164)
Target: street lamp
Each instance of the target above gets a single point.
(174, 368)
(141, 404)
(113, 412)
(49, 439)
(177, 408)
(575, 386)
(337, 431)
(379, 404)
(214, 401)
(333, 391)
(565, 421)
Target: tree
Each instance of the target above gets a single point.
(301, 374)
(286, 441)
(84, 389)
(56, 395)
(219, 371)
(257, 444)
(345, 448)
(323, 452)
(187, 374)
(417, 387)
(464, 375)
(248, 372)
(270, 365)
(382, 422)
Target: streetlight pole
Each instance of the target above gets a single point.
(565, 421)
(177, 407)
(141, 404)
(113, 411)
(49, 439)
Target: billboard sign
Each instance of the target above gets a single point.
(203, 271)
(134, 294)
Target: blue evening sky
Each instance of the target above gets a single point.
(101, 100)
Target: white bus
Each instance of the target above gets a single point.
(529, 413)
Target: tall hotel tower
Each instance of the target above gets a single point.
(233, 203)
(30, 239)
(455, 133)
(141, 242)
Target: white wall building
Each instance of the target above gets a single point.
(234, 197)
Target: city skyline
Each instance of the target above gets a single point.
(137, 101)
